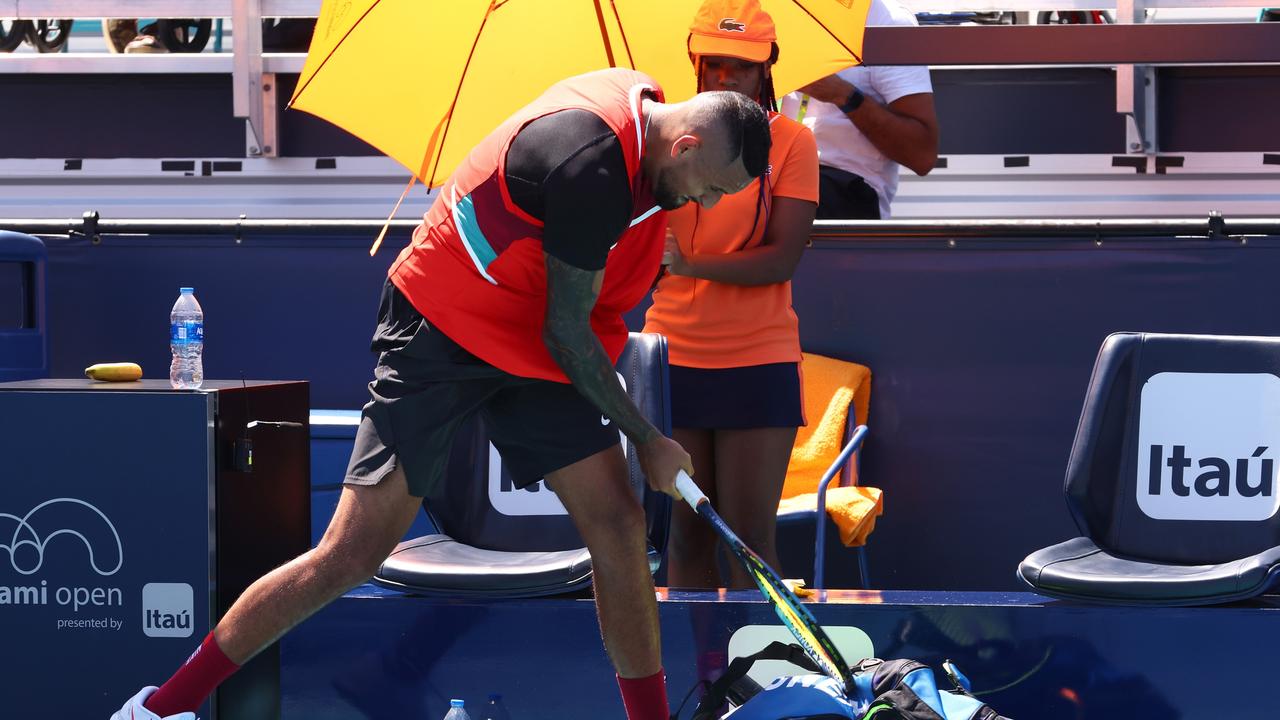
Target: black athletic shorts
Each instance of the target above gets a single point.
(426, 386)
(739, 398)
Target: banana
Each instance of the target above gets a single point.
(114, 372)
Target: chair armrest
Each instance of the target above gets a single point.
(820, 527)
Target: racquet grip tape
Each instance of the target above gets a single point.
(689, 490)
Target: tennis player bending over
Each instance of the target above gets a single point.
(509, 303)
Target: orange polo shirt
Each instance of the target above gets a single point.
(717, 325)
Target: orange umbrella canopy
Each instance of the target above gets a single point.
(425, 80)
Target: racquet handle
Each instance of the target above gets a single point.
(689, 490)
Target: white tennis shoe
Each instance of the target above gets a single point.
(133, 709)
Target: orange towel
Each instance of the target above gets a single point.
(853, 509)
(829, 386)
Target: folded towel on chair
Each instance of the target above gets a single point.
(853, 509)
(830, 386)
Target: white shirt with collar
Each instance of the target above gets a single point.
(840, 143)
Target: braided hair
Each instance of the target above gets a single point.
(767, 100)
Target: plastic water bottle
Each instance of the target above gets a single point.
(457, 711)
(495, 710)
(186, 341)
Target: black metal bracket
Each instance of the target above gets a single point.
(1217, 226)
(88, 228)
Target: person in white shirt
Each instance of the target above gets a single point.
(867, 121)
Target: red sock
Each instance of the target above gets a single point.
(195, 680)
(645, 698)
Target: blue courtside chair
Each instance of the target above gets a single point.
(1172, 479)
(24, 337)
(496, 541)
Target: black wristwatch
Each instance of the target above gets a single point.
(853, 102)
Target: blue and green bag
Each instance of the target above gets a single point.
(879, 690)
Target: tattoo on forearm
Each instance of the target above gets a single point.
(571, 294)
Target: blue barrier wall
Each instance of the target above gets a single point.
(980, 356)
(275, 307)
(980, 353)
(386, 655)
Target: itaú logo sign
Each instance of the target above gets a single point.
(1208, 445)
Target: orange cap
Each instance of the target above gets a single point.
(734, 28)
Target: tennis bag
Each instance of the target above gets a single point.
(880, 690)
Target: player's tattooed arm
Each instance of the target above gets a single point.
(571, 294)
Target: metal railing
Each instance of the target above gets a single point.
(253, 74)
(1133, 46)
(311, 8)
(153, 8)
(944, 6)
(1214, 227)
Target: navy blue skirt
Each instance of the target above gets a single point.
(757, 396)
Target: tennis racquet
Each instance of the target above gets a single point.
(795, 616)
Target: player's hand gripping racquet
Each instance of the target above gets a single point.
(795, 616)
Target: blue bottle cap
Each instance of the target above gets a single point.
(456, 703)
(187, 291)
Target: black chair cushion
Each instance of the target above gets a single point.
(1079, 570)
(440, 565)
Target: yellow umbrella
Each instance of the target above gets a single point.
(425, 80)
